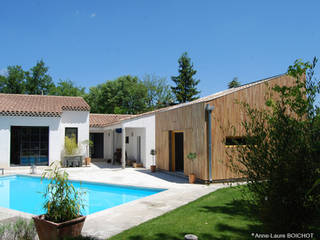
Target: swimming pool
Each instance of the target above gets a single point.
(24, 193)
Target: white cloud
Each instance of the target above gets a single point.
(93, 15)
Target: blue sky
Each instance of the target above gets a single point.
(90, 42)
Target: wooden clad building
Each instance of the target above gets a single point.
(184, 128)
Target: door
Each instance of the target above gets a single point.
(97, 148)
(176, 149)
(29, 146)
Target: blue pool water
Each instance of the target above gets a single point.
(25, 194)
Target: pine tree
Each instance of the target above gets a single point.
(185, 89)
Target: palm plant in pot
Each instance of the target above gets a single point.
(63, 204)
(192, 177)
(153, 166)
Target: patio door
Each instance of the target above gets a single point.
(29, 146)
(97, 148)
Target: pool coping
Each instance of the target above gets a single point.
(111, 221)
(85, 181)
(93, 182)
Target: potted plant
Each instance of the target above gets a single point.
(153, 166)
(88, 145)
(63, 204)
(72, 156)
(192, 177)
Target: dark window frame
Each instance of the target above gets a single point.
(70, 135)
(231, 141)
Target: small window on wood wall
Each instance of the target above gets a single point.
(235, 141)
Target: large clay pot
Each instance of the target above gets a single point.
(87, 161)
(192, 178)
(48, 230)
(153, 168)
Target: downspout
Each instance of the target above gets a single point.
(209, 111)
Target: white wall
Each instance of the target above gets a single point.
(56, 132)
(108, 144)
(144, 127)
(132, 146)
(76, 119)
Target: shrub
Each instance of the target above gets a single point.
(281, 157)
(70, 145)
(62, 201)
(19, 230)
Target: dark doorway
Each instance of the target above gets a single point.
(178, 138)
(29, 146)
(138, 149)
(97, 148)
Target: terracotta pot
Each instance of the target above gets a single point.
(153, 168)
(192, 178)
(87, 160)
(48, 230)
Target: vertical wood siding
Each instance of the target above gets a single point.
(191, 119)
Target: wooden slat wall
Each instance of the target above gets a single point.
(192, 121)
(227, 113)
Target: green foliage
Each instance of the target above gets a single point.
(37, 80)
(281, 157)
(14, 82)
(67, 88)
(62, 201)
(159, 93)
(19, 230)
(3, 82)
(70, 145)
(124, 95)
(185, 89)
(153, 152)
(234, 83)
(192, 156)
(95, 99)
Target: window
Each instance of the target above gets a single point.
(72, 132)
(29, 146)
(127, 139)
(235, 141)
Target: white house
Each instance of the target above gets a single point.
(33, 127)
(111, 133)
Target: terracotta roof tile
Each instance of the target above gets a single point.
(103, 120)
(38, 105)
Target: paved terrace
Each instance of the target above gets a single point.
(109, 222)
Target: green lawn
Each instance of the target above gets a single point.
(219, 215)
